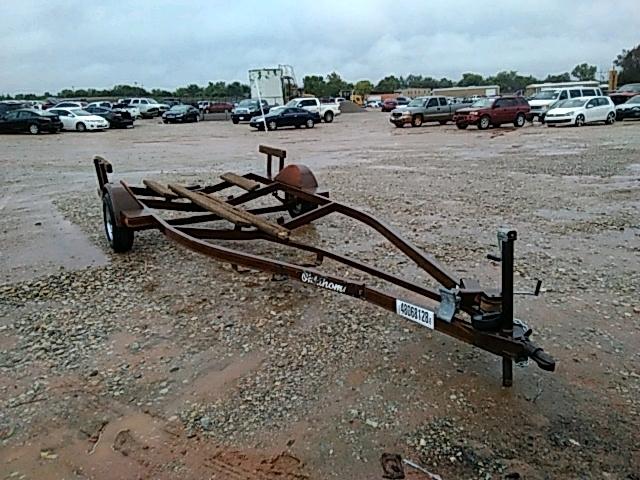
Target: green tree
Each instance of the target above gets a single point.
(191, 91)
(444, 83)
(237, 89)
(215, 90)
(470, 79)
(584, 71)
(629, 64)
(560, 77)
(388, 84)
(159, 93)
(335, 84)
(511, 81)
(363, 87)
(315, 85)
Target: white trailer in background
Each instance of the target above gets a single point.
(275, 85)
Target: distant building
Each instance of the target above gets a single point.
(481, 91)
(414, 92)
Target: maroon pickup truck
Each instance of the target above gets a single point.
(493, 111)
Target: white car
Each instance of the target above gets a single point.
(79, 120)
(580, 111)
(102, 104)
(544, 100)
(69, 105)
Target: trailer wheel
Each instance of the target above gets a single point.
(120, 238)
(299, 207)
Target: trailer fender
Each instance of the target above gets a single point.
(299, 176)
(121, 200)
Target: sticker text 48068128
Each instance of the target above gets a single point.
(415, 313)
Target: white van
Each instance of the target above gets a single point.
(541, 102)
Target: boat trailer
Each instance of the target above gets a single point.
(460, 308)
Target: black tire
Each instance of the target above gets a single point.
(298, 126)
(310, 123)
(120, 238)
(579, 120)
(81, 127)
(461, 126)
(497, 125)
(619, 116)
(328, 117)
(165, 121)
(235, 121)
(484, 122)
(611, 119)
(416, 121)
(519, 121)
(443, 122)
(272, 125)
(34, 129)
(299, 207)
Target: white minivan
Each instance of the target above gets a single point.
(541, 102)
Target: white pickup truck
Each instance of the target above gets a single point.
(327, 111)
(148, 107)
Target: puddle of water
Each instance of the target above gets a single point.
(38, 241)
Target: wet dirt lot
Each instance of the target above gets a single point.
(164, 364)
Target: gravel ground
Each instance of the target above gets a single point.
(161, 362)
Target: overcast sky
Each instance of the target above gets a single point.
(51, 45)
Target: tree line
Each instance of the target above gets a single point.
(509, 81)
(627, 63)
(231, 90)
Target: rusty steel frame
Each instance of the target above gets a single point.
(509, 339)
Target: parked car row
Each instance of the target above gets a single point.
(424, 109)
(568, 109)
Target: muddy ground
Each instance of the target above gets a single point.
(164, 364)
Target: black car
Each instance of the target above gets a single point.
(117, 118)
(286, 117)
(171, 101)
(247, 109)
(30, 120)
(8, 105)
(181, 113)
(628, 109)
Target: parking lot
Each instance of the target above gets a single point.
(162, 364)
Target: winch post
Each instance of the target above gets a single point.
(507, 239)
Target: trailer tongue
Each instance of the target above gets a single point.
(460, 308)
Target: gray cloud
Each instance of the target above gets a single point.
(163, 43)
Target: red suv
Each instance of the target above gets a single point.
(493, 111)
(389, 104)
